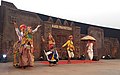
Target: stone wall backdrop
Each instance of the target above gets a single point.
(83, 46)
(1, 30)
(76, 35)
(111, 47)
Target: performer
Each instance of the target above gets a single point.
(70, 48)
(20, 43)
(51, 42)
(30, 47)
(25, 52)
(22, 50)
(51, 54)
(90, 49)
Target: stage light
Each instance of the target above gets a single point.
(3, 58)
(106, 57)
(103, 57)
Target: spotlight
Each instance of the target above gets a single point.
(103, 57)
(106, 57)
(4, 58)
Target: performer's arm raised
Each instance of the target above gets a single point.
(17, 30)
(15, 25)
(35, 30)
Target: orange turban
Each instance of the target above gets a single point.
(23, 26)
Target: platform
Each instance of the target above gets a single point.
(102, 67)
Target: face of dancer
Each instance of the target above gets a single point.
(71, 37)
(22, 29)
(29, 29)
(50, 36)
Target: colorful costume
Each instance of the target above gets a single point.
(26, 57)
(30, 48)
(70, 48)
(52, 54)
(22, 49)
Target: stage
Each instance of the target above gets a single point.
(73, 62)
(102, 67)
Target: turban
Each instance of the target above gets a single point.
(23, 26)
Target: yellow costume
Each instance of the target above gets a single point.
(70, 48)
(70, 45)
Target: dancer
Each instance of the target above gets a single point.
(20, 43)
(90, 49)
(29, 46)
(51, 54)
(70, 48)
(25, 51)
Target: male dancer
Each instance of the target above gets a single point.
(70, 48)
(51, 54)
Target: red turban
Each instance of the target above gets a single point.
(23, 26)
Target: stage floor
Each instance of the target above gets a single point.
(72, 62)
(102, 67)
